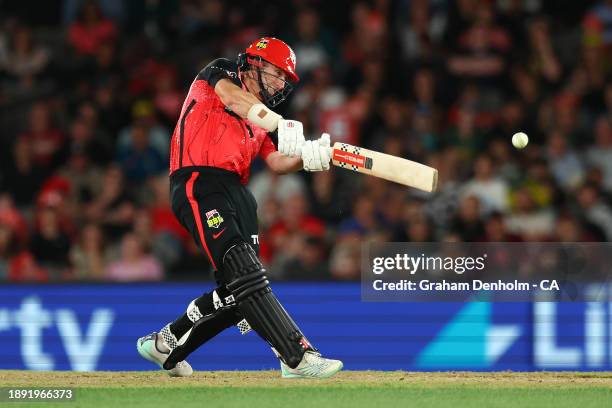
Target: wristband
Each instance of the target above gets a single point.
(262, 116)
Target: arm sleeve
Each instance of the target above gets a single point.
(267, 147)
(217, 70)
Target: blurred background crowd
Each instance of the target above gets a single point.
(90, 92)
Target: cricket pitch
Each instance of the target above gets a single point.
(372, 389)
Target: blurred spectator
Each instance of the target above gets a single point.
(143, 114)
(24, 60)
(23, 268)
(543, 60)
(419, 31)
(528, 221)
(84, 179)
(482, 47)
(46, 141)
(13, 236)
(495, 230)
(8, 247)
(460, 14)
(465, 137)
(314, 46)
(329, 196)
(491, 191)
(164, 245)
(468, 224)
(13, 219)
(295, 219)
(202, 19)
(366, 41)
(84, 142)
(163, 220)
(134, 264)
(111, 112)
(594, 211)
(90, 30)
(140, 160)
(363, 219)
(541, 184)
(608, 101)
(565, 164)
(528, 92)
(310, 262)
(419, 230)
(168, 99)
(22, 177)
(441, 206)
(511, 117)
(113, 207)
(501, 154)
(597, 24)
(88, 256)
(50, 244)
(345, 260)
(600, 154)
(569, 229)
(270, 189)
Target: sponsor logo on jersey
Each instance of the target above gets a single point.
(213, 219)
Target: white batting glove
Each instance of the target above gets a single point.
(316, 154)
(290, 137)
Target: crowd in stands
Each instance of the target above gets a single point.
(90, 92)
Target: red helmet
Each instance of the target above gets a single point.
(276, 52)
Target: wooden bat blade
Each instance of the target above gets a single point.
(392, 168)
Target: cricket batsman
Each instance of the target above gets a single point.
(226, 121)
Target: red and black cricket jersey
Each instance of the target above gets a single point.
(209, 134)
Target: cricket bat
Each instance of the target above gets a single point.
(385, 166)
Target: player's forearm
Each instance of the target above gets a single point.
(281, 164)
(246, 105)
(235, 98)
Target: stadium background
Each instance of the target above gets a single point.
(90, 93)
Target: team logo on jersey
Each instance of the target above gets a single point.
(261, 44)
(213, 219)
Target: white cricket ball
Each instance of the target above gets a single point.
(520, 140)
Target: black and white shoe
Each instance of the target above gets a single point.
(149, 348)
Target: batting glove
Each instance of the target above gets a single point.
(290, 137)
(316, 154)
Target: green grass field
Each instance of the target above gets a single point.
(372, 389)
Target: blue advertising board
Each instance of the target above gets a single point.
(89, 327)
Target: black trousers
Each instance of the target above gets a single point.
(216, 209)
(220, 212)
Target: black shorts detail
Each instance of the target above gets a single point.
(215, 208)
